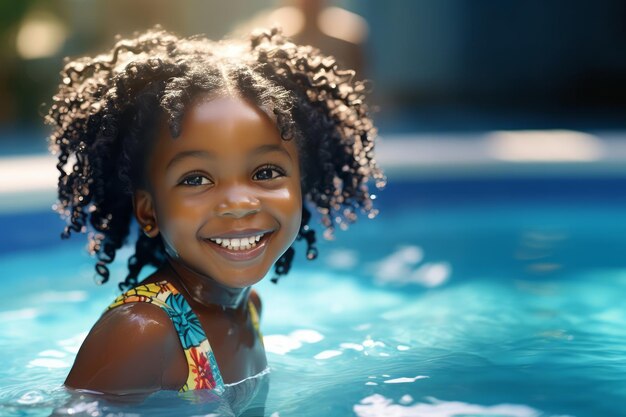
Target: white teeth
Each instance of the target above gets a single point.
(244, 243)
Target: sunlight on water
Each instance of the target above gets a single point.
(377, 405)
(282, 344)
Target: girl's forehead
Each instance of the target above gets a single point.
(227, 119)
(224, 127)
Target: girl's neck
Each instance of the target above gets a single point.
(205, 290)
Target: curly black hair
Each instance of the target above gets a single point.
(105, 115)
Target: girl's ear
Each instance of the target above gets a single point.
(143, 205)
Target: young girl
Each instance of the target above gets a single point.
(215, 150)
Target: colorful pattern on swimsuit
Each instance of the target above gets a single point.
(203, 370)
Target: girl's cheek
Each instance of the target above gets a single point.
(287, 202)
(286, 194)
(179, 215)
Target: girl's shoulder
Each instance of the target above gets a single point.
(131, 348)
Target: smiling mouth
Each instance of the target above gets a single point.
(239, 244)
(242, 248)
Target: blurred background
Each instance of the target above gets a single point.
(459, 88)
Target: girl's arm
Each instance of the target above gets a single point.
(132, 349)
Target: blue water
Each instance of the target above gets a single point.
(452, 302)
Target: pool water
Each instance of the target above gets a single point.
(450, 303)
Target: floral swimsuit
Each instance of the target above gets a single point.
(203, 370)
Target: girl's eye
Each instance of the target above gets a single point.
(195, 180)
(269, 172)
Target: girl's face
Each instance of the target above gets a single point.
(225, 196)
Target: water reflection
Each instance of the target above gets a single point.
(282, 344)
(404, 267)
(378, 405)
(537, 249)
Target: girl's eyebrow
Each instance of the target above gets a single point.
(270, 148)
(209, 155)
(186, 154)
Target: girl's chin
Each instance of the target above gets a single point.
(239, 285)
(239, 278)
(227, 275)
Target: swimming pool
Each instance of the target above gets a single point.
(501, 297)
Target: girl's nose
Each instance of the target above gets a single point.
(238, 203)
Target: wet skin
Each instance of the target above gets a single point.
(229, 173)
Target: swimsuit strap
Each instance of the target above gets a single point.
(203, 371)
(254, 316)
